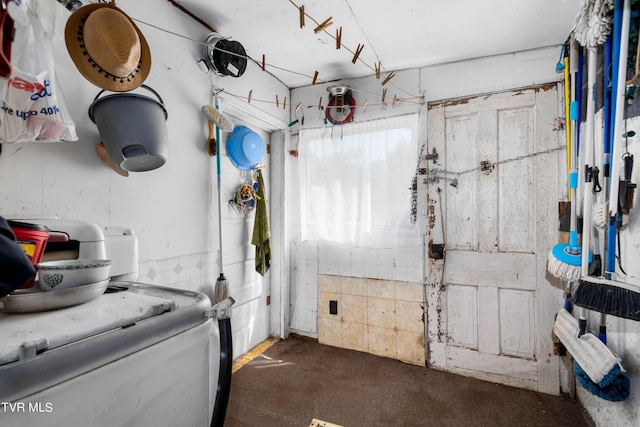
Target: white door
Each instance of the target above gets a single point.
(492, 201)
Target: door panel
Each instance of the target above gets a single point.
(463, 313)
(516, 187)
(462, 229)
(490, 307)
(517, 337)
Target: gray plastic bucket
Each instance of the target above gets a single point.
(132, 128)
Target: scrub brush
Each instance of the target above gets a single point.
(212, 145)
(214, 116)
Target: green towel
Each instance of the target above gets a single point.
(261, 233)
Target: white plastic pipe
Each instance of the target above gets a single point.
(619, 117)
(592, 64)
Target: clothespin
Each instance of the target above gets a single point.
(320, 104)
(389, 77)
(377, 66)
(384, 94)
(263, 62)
(277, 102)
(315, 77)
(395, 99)
(249, 97)
(301, 16)
(338, 38)
(358, 50)
(327, 22)
(364, 106)
(284, 104)
(298, 106)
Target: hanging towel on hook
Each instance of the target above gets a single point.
(261, 234)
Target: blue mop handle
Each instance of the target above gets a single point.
(608, 94)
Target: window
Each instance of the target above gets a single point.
(355, 183)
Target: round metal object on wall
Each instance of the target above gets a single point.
(341, 106)
(225, 57)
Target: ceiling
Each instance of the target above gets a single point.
(396, 34)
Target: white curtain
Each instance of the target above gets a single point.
(355, 183)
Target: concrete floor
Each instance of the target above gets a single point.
(298, 380)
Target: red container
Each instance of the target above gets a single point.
(32, 238)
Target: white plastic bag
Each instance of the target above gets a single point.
(31, 106)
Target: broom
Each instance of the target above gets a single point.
(222, 302)
(607, 295)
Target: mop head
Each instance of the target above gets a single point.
(600, 215)
(616, 391)
(221, 291)
(594, 22)
(600, 365)
(217, 118)
(564, 264)
(609, 297)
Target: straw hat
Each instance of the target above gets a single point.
(107, 47)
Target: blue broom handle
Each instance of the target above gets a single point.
(620, 85)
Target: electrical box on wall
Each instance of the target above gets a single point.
(333, 307)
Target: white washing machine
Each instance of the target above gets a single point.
(136, 355)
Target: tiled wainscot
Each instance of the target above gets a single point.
(381, 317)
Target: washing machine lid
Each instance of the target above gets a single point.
(40, 350)
(123, 305)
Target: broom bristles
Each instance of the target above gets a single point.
(217, 118)
(617, 391)
(221, 291)
(608, 297)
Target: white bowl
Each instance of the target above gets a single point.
(70, 273)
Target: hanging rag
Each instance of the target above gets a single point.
(261, 233)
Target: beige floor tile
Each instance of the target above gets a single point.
(410, 347)
(406, 291)
(381, 341)
(409, 316)
(353, 286)
(329, 283)
(354, 309)
(381, 288)
(330, 332)
(381, 313)
(354, 336)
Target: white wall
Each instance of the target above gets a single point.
(308, 259)
(173, 209)
(436, 83)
